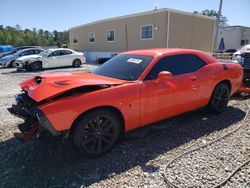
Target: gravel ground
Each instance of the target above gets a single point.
(139, 158)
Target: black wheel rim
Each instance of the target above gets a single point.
(221, 97)
(36, 66)
(77, 63)
(99, 134)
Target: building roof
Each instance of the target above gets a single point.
(233, 26)
(144, 13)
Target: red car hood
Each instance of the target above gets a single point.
(48, 85)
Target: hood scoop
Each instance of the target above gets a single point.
(61, 83)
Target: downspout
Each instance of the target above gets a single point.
(126, 36)
(168, 28)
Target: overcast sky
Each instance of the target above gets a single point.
(63, 14)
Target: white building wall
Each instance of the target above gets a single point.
(232, 37)
(92, 56)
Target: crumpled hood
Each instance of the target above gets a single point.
(27, 57)
(49, 85)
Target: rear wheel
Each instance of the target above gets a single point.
(76, 63)
(96, 132)
(220, 98)
(36, 66)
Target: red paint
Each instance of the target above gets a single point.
(141, 102)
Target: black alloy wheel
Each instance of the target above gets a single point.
(36, 66)
(97, 132)
(220, 98)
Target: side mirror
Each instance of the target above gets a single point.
(165, 75)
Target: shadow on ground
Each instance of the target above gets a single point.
(50, 163)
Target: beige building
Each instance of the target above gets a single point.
(163, 28)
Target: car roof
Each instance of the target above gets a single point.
(54, 49)
(23, 50)
(159, 52)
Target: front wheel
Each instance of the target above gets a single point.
(36, 66)
(220, 98)
(96, 132)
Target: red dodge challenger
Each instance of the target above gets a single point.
(131, 90)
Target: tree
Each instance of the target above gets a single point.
(37, 37)
(213, 13)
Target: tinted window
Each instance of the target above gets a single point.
(65, 52)
(124, 66)
(176, 64)
(37, 51)
(28, 52)
(56, 53)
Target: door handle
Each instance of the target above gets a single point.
(193, 78)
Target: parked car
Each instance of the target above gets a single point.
(5, 48)
(242, 57)
(230, 51)
(17, 49)
(131, 90)
(8, 61)
(51, 58)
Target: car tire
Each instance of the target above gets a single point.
(36, 66)
(76, 63)
(96, 132)
(220, 98)
(11, 64)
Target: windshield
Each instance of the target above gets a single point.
(124, 67)
(45, 53)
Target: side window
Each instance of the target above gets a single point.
(30, 52)
(176, 64)
(27, 52)
(193, 63)
(65, 52)
(37, 51)
(55, 53)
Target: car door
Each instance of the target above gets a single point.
(165, 98)
(67, 58)
(54, 59)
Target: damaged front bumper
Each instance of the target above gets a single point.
(27, 109)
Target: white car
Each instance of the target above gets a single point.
(242, 56)
(51, 58)
(8, 61)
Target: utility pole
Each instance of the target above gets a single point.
(217, 25)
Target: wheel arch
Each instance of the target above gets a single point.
(226, 82)
(116, 111)
(77, 59)
(37, 61)
(222, 81)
